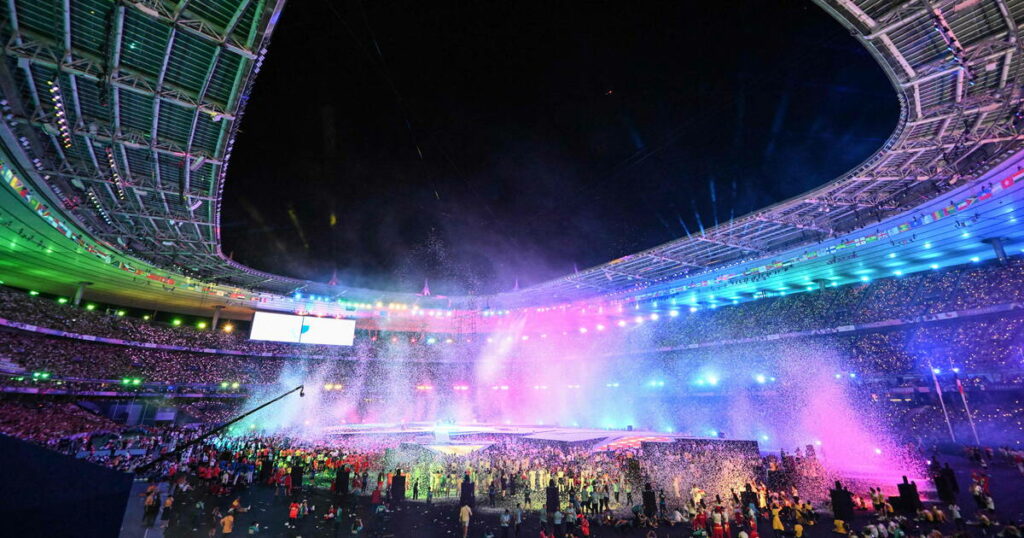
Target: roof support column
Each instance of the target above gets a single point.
(216, 316)
(79, 291)
(997, 246)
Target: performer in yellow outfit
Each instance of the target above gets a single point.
(777, 520)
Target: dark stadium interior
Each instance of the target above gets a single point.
(474, 146)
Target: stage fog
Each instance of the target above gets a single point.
(783, 395)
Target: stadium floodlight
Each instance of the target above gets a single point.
(176, 322)
(33, 293)
(136, 381)
(62, 300)
(201, 325)
(121, 313)
(228, 328)
(90, 307)
(223, 384)
(235, 385)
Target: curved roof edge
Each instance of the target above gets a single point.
(139, 161)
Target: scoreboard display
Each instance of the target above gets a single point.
(302, 329)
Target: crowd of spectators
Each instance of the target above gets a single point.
(925, 293)
(48, 422)
(976, 345)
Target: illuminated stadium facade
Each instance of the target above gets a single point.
(116, 146)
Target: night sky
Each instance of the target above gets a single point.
(475, 143)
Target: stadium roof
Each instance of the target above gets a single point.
(123, 114)
(956, 68)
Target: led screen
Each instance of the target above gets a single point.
(302, 329)
(276, 327)
(330, 331)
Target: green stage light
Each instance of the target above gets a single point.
(201, 324)
(234, 385)
(62, 300)
(223, 384)
(90, 307)
(125, 380)
(146, 317)
(120, 313)
(136, 381)
(33, 293)
(176, 322)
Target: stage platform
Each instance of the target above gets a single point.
(429, 433)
